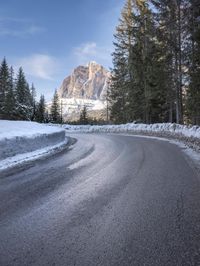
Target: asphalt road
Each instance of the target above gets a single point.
(109, 200)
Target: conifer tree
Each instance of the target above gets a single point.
(55, 109)
(153, 53)
(40, 110)
(4, 84)
(172, 20)
(83, 116)
(23, 96)
(135, 92)
(10, 100)
(33, 102)
(193, 94)
(121, 72)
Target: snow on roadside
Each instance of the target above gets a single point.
(187, 131)
(186, 137)
(12, 129)
(23, 141)
(20, 159)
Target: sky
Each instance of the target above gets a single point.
(49, 38)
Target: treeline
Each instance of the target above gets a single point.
(18, 99)
(156, 73)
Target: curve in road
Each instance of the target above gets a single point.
(109, 200)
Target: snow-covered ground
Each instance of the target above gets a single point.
(75, 105)
(21, 141)
(12, 129)
(187, 131)
(71, 104)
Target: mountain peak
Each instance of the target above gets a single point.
(92, 63)
(86, 82)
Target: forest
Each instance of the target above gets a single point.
(156, 73)
(18, 100)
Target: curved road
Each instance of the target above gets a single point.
(109, 200)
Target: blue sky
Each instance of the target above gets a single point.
(48, 38)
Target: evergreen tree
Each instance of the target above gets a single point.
(121, 75)
(47, 118)
(23, 96)
(154, 49)
(33, 102)
(193, 93)
(135, 92)
(148, 68)
(40, 111)
(10, 101)
(164, 18)
(55, 109)
(172, 21)
(83, 116)
(4, 85)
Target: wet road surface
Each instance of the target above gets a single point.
(108, 200)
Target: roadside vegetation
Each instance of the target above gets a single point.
(156, 73)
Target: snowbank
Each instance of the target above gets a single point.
(190, 135)
(187, 131)
(17, 138)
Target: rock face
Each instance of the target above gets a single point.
(86, 82)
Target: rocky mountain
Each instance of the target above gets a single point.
(86, 86)
(86, 82)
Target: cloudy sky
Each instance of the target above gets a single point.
(48, 38)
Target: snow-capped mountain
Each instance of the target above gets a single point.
(86, 86)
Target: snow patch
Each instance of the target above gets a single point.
(22, 141)
(187, 131)
(70, 105)
(20, 159)
(12, 129)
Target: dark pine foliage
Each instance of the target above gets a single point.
(83, 117)
(17, 100)
(156, 63)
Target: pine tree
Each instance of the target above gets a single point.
(83, 116)
(40, 110)
(55, 109)
(10, 101)
(173, 20)
(23, 96)
(193, 93)
(135, 92)
(156, 75)
(4, 85)
(121, 74)
(164, 18)
(33, 102)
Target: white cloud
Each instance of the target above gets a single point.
(90, 51)
(86, 50)
(17, 27)
(40, 66)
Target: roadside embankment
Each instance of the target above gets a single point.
(22, 140)
(190, 135)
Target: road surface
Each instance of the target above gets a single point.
(109, 200)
